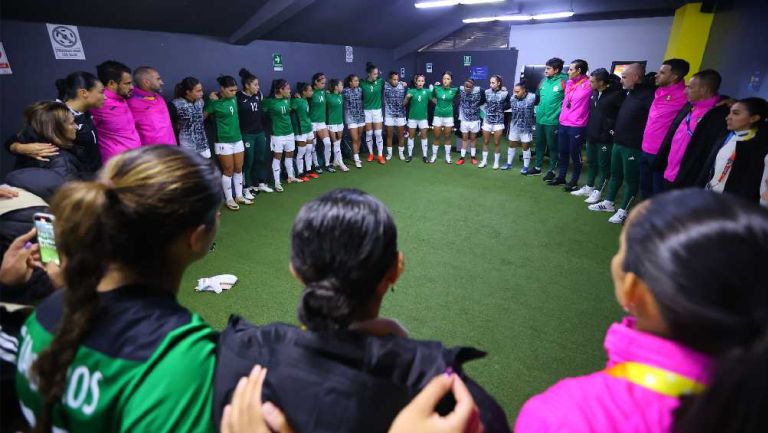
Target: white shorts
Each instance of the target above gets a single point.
(373, 116)
(470, 126)
(230, 148)
(517, 135)
(394, 121)
(352, 125)
(442, 121)
(309, 136)
(336, 128)
(493, 127)
(421, 124)
(283, 143)
(319, 126)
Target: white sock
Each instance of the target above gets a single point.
(485, 156)
(424, 147)
(356, 157)
(379, 141)
(276, 170)
(410, 146)
(327, 150)
(526, 158)
(300, 154)
(369, 141)
(511, 155)
(496, 157)
(472, 151)
(289, 167)
(308, 157)
(435, 148)
(463, 152)
(337, 152)
(401, 149)
(226, 183)
(447, 148)
(389, 151)
(313, 154)
(238, 181)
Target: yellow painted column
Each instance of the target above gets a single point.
(689, 34)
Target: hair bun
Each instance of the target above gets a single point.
(244, 73)
(323, 308)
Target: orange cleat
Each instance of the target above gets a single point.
(313, 175)
(304, 178)
(382, 160)
(474, 161)
(460, 161)
(370, 157)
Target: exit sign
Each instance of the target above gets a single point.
(467, 60)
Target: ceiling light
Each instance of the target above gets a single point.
(514, 18)
(478, 20)
(444, 3)
(518, 17)
(553, 16)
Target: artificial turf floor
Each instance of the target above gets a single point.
(494, 260)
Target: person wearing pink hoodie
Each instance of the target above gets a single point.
(149, 109)
(114, 121)
(690, 273)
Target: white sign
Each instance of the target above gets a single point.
(5, 65)
(65, 41)
(429, 68)
(350, 54)
(402, 72)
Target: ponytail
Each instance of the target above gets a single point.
(184, 86)
(67, 87)
(246, 77)
(277, 84)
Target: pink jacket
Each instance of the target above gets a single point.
(683, 135)
(115, 126)
(575, 110)
(602, 403)
(667, 101)
(153, 123)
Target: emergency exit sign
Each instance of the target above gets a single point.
(467, 60)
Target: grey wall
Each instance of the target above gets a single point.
(597, 42)
(502, 62)
(174, 55)
(736, 46)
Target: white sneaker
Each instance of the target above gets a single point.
(243, 200)
(264, 188)
(389, 156)
(279, 187)
(359, 164)
(402, 157)
(482, 164)
(247, 194)
(603, 206)
(232, 205)
(448, 160)
(495, 166)
(594, 197)
(433, 159)
(341, 166)
(584, 191)
(294, 180)
(618, 217)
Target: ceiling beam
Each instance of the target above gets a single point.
(430, 36)
(269, 16)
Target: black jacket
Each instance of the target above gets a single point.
(747, 170)
(343, 381)
(66, 163)
(709, 135)
(602, 114)
(86, 144)
(632, 116)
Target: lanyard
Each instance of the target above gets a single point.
(656, 379)
(569, 92)
(731, 159)
(688, 123)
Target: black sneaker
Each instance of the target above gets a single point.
(330, 169)
(319, 170)
(425, 159)
(549, 176)
(534, 172)
(556, 182)
(409, 158)
(570, 186)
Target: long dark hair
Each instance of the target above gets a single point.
(301, 87)
(184, 86)
(276, 85)
(68, 86)
(342, 246)
(757, 107)
(333, 83)
(226, 81)
(348, 80)
(316, 77)
(246, 77)
(143, 200)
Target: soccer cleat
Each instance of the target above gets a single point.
(549, 176)
(381, 160)
(318, 170)
(305, 178)
(474, 161)
(506, 167)
(425, 159)
(312, 175)
(389, 156)
(264, 188)
(409, 158)
(603, 206)
(294, 180)
(278, 187)
(448, 160)
(247, 194)
(433, 159)
(570, 187)
(341, 166)
(495, 166)
(232, 205)
(330, 169)
(556, 182)
(460, 161)
(358, 164)
(370, 157)
(243, 200)
(594, 197)
(618, 217)
(534, 172)
(482, 164)
(524, 171)
(584, 191)
(402, 157)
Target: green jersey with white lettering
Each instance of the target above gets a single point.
(335, 109)
(224, 110)
(445, 99)
(372, 93)
(417, 104)
(303, 123)
(279, 110)
(145, 365)
(317, 106)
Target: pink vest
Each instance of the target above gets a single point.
(153, 123)
(683, 135)
(601, 403)
(115, 126)
(667, 102)
(575, 111)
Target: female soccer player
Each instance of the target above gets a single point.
(372, 89)
(250, 108)
(303, 132)
(229, 141)
(496, 102)
(318, 113)
(394, 112)
(444, 97)
(470, 99)
(335, 105)
(278, 108)
(521, 126)
(417, 100)
(187, 116)
(354, 116)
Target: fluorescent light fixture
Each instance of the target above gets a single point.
(553, 16)
(444, 3)
(478, 20)
(514, 18)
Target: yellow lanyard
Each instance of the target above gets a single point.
(656, 379)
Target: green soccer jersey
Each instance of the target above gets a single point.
(417, 105)
(227, 121)
(551, 93)
(301, 107)
(372, 94)
(279, 110)
(317, 106)
(445, 98)
(335, 109)
(145, 365)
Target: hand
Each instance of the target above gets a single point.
(728, 102)
(420, 417)
(246, 413)
(38, 151)
(21, 258)
(213, 96)
(55, 274)
(6, 192)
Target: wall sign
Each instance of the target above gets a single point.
(479, 72)
(5, 65)
(277, 62)
(349, 54)
(467, 60)
(402, 72)
(429, 68)
(65, 41)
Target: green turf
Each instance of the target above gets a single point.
(494, 260)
